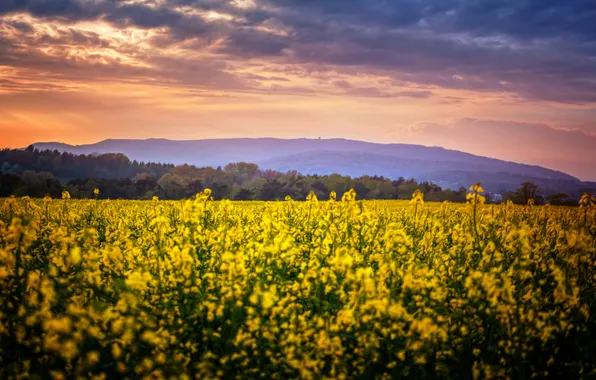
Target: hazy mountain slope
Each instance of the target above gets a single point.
(349, 157)
(495, 175)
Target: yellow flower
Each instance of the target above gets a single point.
(476, 188)
(139, 280)
(60, 325)
(3, 273)
(316, 289)
(349, 196)
(475, 197)
(587, 200)
(116, 351)
(417, 197)
(96, 191)
(65, 195)
(93, 357)
(311, 197)
(268, 299)
(69, 350)
(75, 255)
(57, 375)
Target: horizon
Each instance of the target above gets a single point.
(506, 80)
(293, 139)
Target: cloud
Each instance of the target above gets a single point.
(536, 49)
(352, 90)
(527, 19)
(413, 60)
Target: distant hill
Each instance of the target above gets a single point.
(448, 168)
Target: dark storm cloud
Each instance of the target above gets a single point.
(64, 9)
(528, 18)
(537, 49)
(517, 18)
(143, 16)
(255, 44)
(523, 18)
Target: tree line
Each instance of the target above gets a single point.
(68, 166)
(39, 173)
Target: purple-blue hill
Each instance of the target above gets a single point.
(448, 168)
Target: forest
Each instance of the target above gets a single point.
(34, 173)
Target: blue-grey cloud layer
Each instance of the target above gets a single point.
(535, 49)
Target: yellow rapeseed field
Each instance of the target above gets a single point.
(309, 289)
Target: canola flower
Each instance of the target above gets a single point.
(587, 200)
(341, 289)
(417, 197)
(475, 196)
(333, 196)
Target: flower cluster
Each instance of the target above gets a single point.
(475, 197)
(351, 289)
(417, 197)
(587, 200)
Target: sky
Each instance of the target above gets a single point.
(510, 79)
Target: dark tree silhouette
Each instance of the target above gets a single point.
(39, 173)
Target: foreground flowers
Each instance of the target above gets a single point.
(203, 289)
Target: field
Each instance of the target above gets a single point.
(310, 289)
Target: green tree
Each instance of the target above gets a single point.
(560, 199)
(526, 192)
(241, 172)
(172, 186)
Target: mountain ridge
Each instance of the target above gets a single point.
(324, 156)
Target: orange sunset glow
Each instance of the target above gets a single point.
(427, 72)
